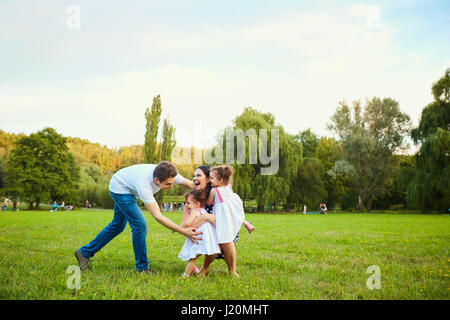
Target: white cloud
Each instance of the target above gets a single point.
(296, 66)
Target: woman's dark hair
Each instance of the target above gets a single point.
(206, 171)
(208, 187)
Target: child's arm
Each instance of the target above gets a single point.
(211, 196)
(190, 233)
(185, 215)
(204, 218)
(189, 220)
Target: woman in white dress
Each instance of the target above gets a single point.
(208, 246)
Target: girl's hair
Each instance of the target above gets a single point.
(198, 195)
(224, 172)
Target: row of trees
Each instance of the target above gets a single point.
(362, 166)
(46, 166)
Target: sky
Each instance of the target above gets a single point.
(90, 69)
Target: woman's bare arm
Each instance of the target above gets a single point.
(202, 219)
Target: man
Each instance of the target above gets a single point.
(143, 181)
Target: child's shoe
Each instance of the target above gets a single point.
(250, 228)
(196, 271)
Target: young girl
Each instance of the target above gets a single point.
(228, 211)
(195, 202)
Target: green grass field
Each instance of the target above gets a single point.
(287, 257)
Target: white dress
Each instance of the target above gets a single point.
(229, 212)
(208, 245)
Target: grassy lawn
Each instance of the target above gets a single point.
(288, 257)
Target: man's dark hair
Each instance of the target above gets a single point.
(165, 170)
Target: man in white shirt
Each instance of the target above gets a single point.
(127, 184)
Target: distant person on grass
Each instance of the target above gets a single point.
(54, 206)
(143, 181)
(323, 209)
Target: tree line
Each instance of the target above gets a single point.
(363, 166)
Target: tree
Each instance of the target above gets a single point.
(337, 182)
(154, 152)
(40, 168)
(430, 187)
(369, 138)
(152, 117)
(252, 131)
(167, 145)
(7, 142)
(168, 142)
(310, 141)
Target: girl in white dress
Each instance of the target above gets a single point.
(195, 202)
(229, 213)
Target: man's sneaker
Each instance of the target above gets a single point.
(147, 272)
(82, 260)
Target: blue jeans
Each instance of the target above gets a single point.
(125, 210)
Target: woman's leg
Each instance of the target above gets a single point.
(229, 252)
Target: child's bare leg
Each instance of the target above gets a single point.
(229, 252)
(189, 267)
(206, 263)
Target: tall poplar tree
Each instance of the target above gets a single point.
(152, 117)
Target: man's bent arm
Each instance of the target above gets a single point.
(188, 183)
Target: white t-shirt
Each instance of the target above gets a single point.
(138, 180)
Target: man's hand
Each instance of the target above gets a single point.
(153, 208)
(191, 234)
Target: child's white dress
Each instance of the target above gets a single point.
(208, 245)
(229, 213)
